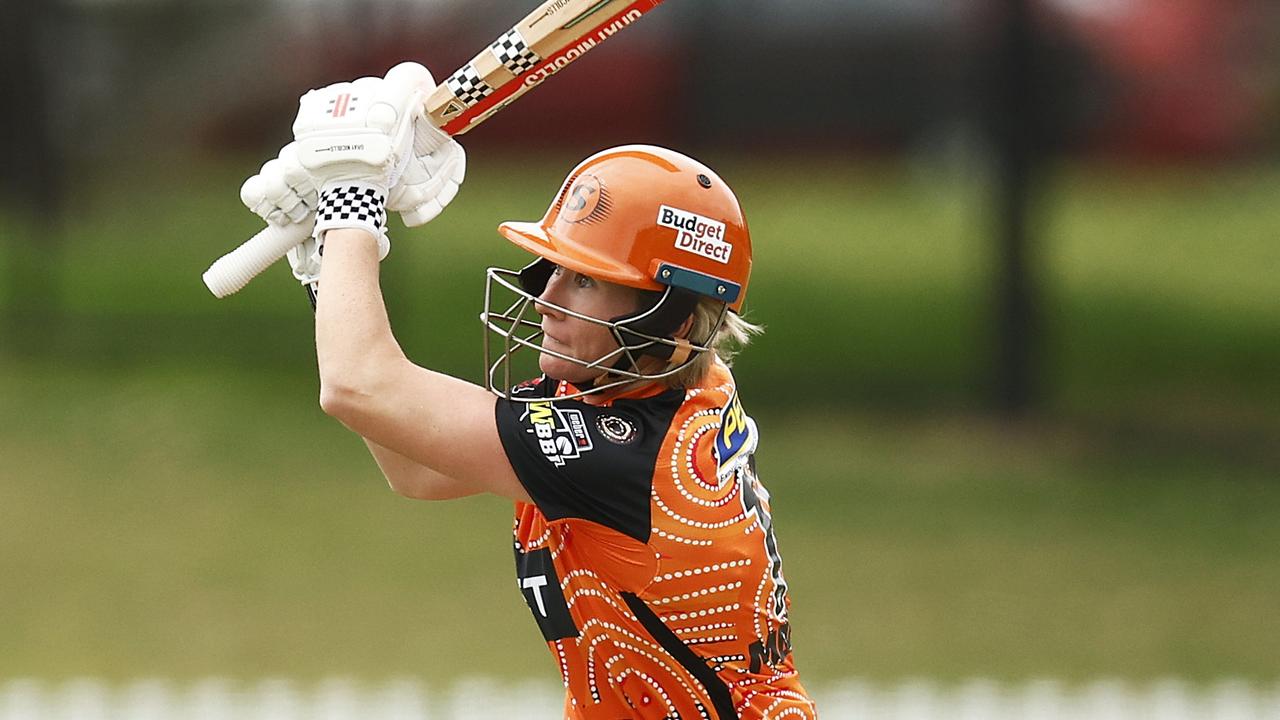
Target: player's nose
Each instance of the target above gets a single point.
(548, 303)
(546, 309)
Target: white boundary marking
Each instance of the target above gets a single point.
(484, 698)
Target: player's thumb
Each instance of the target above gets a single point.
(409, 76)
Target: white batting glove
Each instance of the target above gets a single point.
(431, 180)
(282, 193)
(355, 140)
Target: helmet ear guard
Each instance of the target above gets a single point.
(684, 290)
(662, 319)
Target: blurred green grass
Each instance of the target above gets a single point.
(208, 522)
(1158, 287)
(174, 503)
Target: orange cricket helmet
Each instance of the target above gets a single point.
(646, 217)
(640, 216)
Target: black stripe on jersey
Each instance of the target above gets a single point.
(721, 700)
(540, 584)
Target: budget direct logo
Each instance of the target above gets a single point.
(696, 234)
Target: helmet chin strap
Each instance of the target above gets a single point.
(680, 352)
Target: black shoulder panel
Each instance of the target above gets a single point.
(581, 461)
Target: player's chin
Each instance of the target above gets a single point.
(566, 370)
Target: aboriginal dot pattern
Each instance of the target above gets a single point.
(712, 583)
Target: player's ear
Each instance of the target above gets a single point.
(685, 327)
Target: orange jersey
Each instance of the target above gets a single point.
(648, 556)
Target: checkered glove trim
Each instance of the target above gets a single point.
(352, 206)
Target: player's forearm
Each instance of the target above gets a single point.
(368, 384)
(354, 344)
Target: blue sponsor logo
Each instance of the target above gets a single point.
(736, 438)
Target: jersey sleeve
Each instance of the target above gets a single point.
(582, 461)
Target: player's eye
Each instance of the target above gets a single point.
(584, 282)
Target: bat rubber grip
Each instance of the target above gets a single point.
(234, 270)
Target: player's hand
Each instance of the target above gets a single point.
(285, 191)
(282, 193)
(431, 180)
(355, 140)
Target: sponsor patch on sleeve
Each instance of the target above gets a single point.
(561, 432)
(696, 234)
(736, 440)
(617, 429)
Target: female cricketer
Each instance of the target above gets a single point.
(644, 545)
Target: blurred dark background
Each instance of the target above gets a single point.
(1002, 92)
(1017, 260)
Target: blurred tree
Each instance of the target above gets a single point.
(32, 174)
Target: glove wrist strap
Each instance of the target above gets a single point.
(352, 204)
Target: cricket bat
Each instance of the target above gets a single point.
(544, 42)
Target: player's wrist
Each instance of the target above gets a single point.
(350, 236)
(353, 205)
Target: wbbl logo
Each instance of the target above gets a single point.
(696, 234)
(561, 432)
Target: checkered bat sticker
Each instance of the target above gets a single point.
(514, 53)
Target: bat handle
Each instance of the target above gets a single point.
(234, 270)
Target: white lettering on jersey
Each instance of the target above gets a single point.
(537, 582)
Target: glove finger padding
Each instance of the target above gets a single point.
(297, 192)
(429, 184)
(304, 259)
(281, 192)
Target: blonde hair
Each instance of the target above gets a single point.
(730, 338)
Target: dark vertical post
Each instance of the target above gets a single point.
(1017, 126)
(702, 46)
(31, 177)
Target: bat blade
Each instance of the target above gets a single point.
(543, 43)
